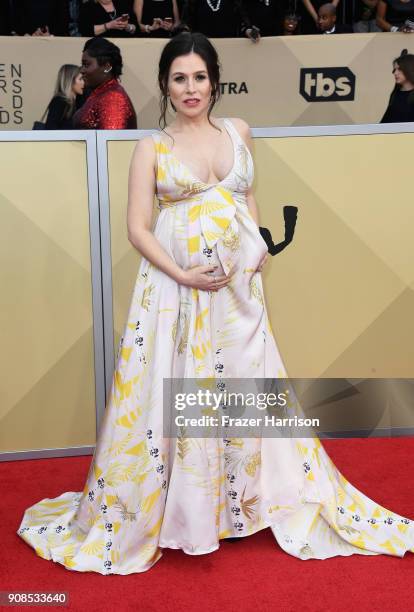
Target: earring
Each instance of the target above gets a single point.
(108, 70)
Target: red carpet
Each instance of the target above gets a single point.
(251, 574)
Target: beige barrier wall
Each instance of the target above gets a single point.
(261, 83)
(47, 360)
(340, 297)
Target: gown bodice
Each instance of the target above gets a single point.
(213, 210)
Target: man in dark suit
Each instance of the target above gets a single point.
(327, 21)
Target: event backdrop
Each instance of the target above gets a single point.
(340, 297)
(282, 81)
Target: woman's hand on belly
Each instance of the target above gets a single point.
(202, 277)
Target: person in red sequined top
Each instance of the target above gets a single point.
(108, 107)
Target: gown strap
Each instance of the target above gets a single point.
(233, 131)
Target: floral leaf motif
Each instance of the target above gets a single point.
(251, 465)
(117, 474)
(150, 501)
(118, 447)
(242, 151)
(184, 334)
(125, 514)
(146, 297)
(255, 291)
(183, 444)
(93, 548)
(247, 504)
(231, 239)
(174, 330)
(349, 529)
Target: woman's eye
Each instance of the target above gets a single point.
(201, 77)
(179, 79)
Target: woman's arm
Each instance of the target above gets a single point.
(141, 191)
(311, 10)
(176, 14)
(88, 16)
(138, 8)
(381, 16)
(244, 131)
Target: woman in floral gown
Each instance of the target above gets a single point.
(198, 311)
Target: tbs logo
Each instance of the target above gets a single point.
(327, 84)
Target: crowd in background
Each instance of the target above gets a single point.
(106, 105)
(214, 18)
(101, 65)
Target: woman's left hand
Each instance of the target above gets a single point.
(262, 262)
(167, 25)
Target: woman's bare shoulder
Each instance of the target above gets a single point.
(243, 129)
(241, 125)
(145, 147)
(144, 154)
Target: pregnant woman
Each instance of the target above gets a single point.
(198, 311)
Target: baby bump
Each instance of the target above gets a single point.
(241, 242)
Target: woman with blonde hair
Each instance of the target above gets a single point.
(68, 89)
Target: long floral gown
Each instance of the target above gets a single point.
(145, 492)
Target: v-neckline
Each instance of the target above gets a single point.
(196, 178)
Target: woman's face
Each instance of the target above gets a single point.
(189, 85)
(92, 72)
(78, 84)
(290, 24)
(399, 76)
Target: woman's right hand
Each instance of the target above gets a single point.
(202, 277)
(117, 24)
(156, 24)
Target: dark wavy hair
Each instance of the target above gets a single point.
(183, 44)
(405, 63)
(104, 51)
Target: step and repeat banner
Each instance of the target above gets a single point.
(281, 81)
(340, 297)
